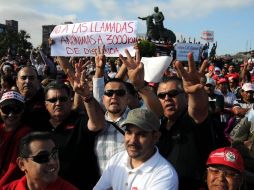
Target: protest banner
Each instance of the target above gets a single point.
(83, 39)
(182, 50)
(207, 36)
(155, 67)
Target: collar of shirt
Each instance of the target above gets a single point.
(146, 167)
(120, 119)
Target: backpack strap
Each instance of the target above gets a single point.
(117, 127)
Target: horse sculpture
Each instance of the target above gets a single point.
(155, 34)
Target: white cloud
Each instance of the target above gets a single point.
(31, 14)
(108, 8)
(31, 21)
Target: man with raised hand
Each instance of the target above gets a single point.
(115, 100)
(186, 139)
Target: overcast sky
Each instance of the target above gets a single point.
(231, 20)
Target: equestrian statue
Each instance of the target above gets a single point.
(155, 28)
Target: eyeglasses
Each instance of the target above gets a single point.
(44, 156)
(60, 99)
(119, 92)
(171, 94)
(14, 109)
(218, 171)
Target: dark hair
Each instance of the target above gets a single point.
(176, 79)
(112, 66)
(9, 79)
(130, 88)
(116, 80)
(28, 66)
(57, 84)
(24, 149)
(171, 78)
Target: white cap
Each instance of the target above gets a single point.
(10, 96)
(248, 87)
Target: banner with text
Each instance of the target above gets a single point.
(83, 39)
(208, 36)
(182, 50)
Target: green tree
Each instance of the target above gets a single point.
(23, 46)
(147, 48)
(13, 42)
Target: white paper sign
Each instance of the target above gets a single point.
(182, 50)
(208, 36)
(155, 67)
(83, 39)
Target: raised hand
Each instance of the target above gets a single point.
(80, 85)
(100, 61)
(191, 78)
(135, 68)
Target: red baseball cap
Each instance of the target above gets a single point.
(226, 156)
(211, 68)
(222, 80)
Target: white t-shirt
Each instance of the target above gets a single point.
(155, 174)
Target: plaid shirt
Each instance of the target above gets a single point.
(109, 141)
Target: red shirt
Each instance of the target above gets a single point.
(59, 184)
(9, 142)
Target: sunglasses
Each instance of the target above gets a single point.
(171, 94)
(60, 99)
(14, 109)
(119, 92)
(44, 156)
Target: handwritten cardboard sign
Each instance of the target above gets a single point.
(182, 50)
(83, 39)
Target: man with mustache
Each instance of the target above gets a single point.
(74, 131)
(186, 139)
(115, 99)
(140, 166)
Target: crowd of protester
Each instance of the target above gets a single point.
(95, 123)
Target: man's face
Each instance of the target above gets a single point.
(27, 82)
(223, 87)
(139, 143)
(222, 178)
(231, 69)
(11, 114)
(58, 103)
(45, 172)
(114, 103)
(174, 100)
(209, 88)
(247, 96)
(252, 54)
(232, 83)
